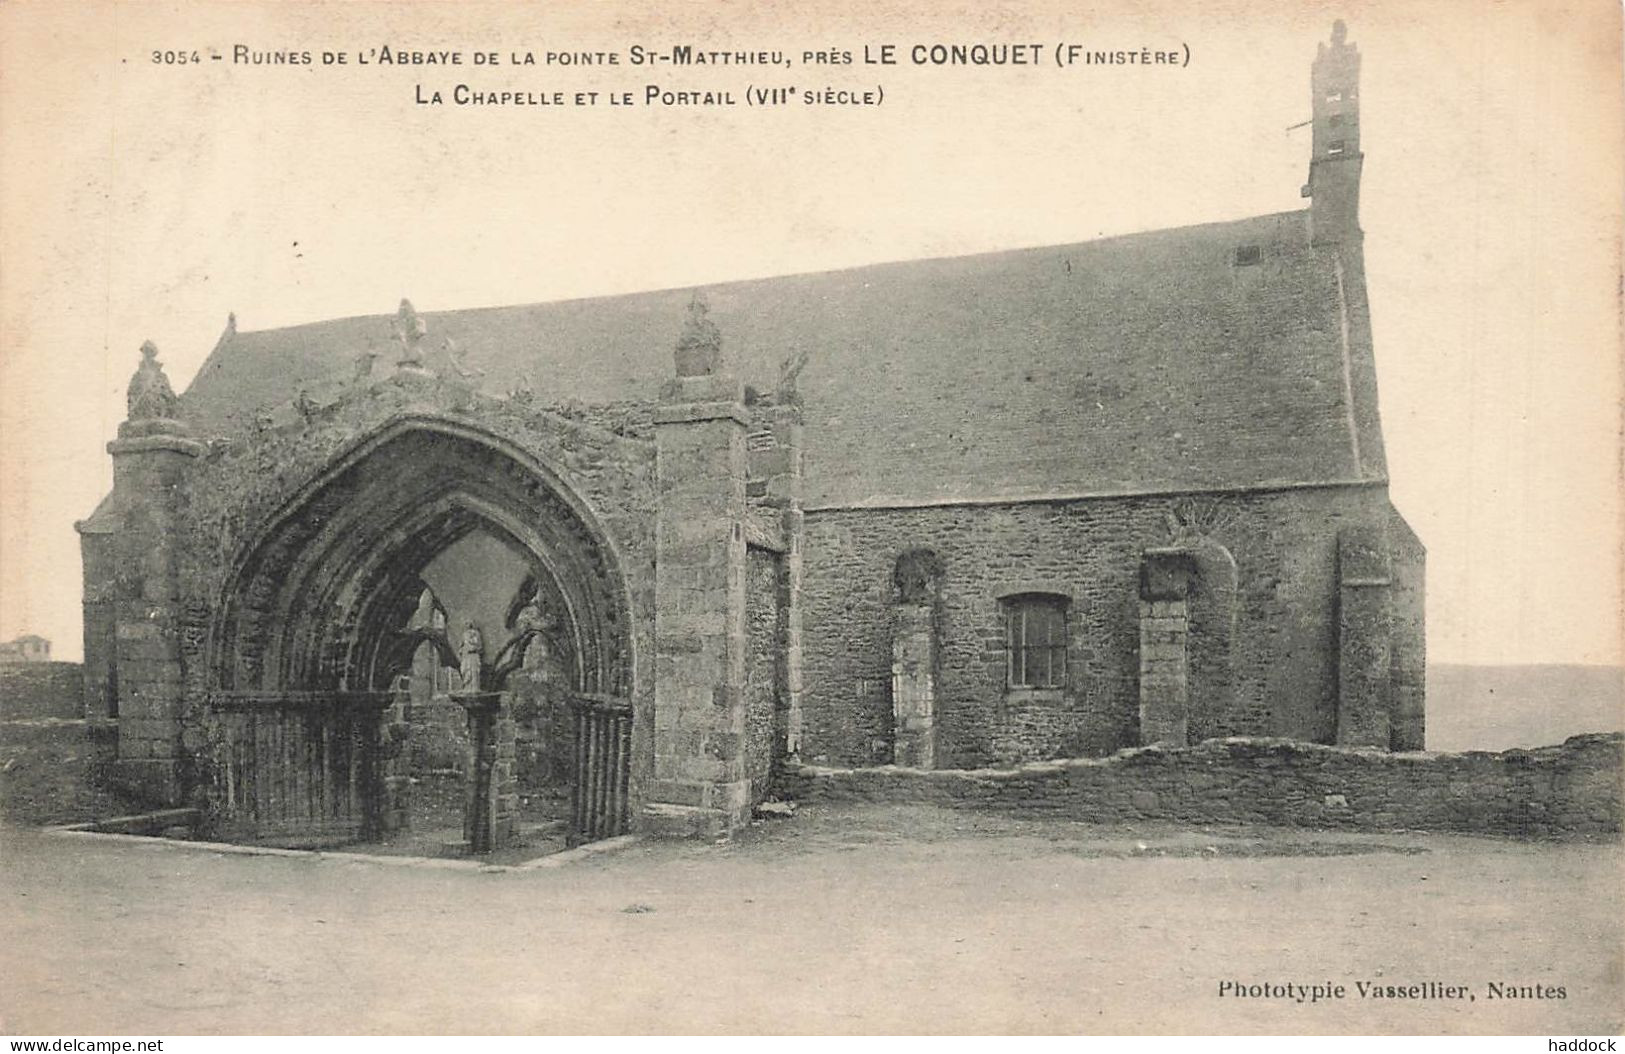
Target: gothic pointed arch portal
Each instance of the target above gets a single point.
(319, 617)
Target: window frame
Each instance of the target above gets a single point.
(1020, 650)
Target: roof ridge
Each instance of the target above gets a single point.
(987, 254)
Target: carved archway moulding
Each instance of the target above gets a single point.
(313, 598)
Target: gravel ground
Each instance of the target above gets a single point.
(874, 919)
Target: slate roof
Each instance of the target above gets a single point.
(1145, 362)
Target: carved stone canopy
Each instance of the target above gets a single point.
(699, 348)
(150, 396)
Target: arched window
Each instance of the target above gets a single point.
(1035, 640)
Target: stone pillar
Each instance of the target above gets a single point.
(396, 763)
(99, 557)
(793, 688)
(914, 685)
(491, 818)
(505, 776)
(778, 467)
(1408, 564)
(1364, 655)
(699, 785)
(132, 589)
(1164, 661)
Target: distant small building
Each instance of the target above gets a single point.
(27, 648)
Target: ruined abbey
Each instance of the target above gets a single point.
(638, 555)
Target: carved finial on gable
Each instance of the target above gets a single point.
(363, 366)
(150, 396)
(789, 373)
(455, 356)
(228, 333)
(523, 391)
(410, 331)
(699, 349)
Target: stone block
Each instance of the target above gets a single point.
(672, 643)
(130, 630)
(667, 718)
(731, 797)
(155, 781)
(724, 746)
(682, 821)
(701, 768)
(674, 792)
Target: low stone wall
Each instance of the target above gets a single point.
(1574, 788)
(58, 770)
(41, 689)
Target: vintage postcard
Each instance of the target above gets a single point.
(747, 518)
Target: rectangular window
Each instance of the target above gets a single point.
(1335, 147)
(1248, 255)
(1035, 641)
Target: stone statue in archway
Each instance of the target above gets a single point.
(471, 656)
(530, 618)
(532, 645)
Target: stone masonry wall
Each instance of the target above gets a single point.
(1409, 645)
(1284, 601)
(763, 666)
(1570, 789)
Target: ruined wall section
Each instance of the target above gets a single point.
(245, 478)
(42, 689)
(1285, 659)
(1573, 788)
(764, 665)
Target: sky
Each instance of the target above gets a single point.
(146, 200)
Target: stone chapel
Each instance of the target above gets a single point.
(629, 555)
